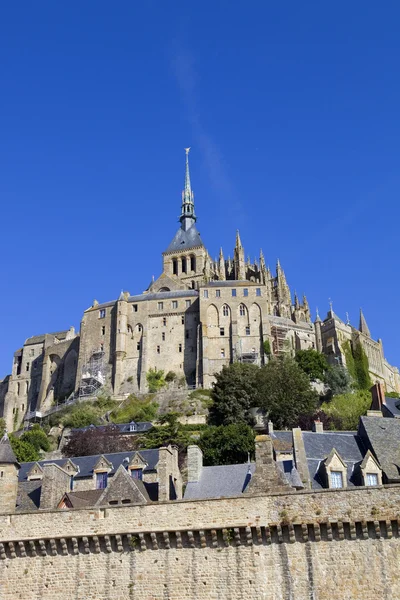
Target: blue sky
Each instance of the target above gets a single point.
(292, 113)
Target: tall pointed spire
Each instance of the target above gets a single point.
(221, 265)
(363, 327)
(238, 259)
(238, 240)
(188, 217)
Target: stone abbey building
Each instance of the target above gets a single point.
(199, 315)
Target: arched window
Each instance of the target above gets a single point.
(225, 310)
(175, 266)
(183, 264)
(242, 310)
(193, 263)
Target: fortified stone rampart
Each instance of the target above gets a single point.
(330, 544)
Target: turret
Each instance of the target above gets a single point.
(9, 468)
(318, 332)
(238, 259)
(121, 331)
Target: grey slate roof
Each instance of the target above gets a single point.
(7, 455)
(231, 283)
(220, 481)
(38, 339)
(164, 295)
(382, 436)
(141, 427)
(391, 407)
(87, 463)
(28, 495)
(348, 444)
(184, 240)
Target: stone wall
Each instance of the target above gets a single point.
(330, 544)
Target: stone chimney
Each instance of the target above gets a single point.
(318, 426)
(267, 476)
(168, 474)
(55, 483)
(9, 468)
(270, 427)
(378, 396)
(195, 463)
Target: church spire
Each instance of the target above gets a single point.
(188, 217)
(363, 327)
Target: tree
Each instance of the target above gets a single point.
(312, 362)
(37, 437)
(155, 380)
(362, 367)
(306, 422)
(284, 391)
(98, 441)
(348, 408)
(227, 445)
(170, 431)
(24, 451)
(233, 394)
(338, 380)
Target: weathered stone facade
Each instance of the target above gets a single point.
(197, 316)
(327, 545)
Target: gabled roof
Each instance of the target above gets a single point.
(183, 240)
(222, 481)
(86, 464)
(124, 487)
(81, 499)
(141, 427)
(382, 437)
(39, 339)
(7, 455)
(318, 447)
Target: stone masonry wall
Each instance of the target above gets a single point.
(330, 544)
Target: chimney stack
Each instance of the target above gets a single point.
(270, 427)
(55, 483)
(195, 463)
(378, 396)
(318, 426)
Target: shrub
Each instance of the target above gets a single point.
(348, 408)
(135, 409)
(155, 380)
(170, 376)
(37, 438)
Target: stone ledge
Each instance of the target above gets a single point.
(273, 533)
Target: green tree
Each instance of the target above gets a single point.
(37, 438)
(284, 391)
(267, 348)
(155, 380)
(233, 394)
(170, 431)
(312, 362)
(227, 445)
(348, 408)
(362, 367)
(24, 451)
(338, 380)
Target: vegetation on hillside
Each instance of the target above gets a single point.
(313, 363)
(348, 408)
(227, 444)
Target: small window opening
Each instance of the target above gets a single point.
(233, 293)
(174, 266)
(27, 366)
(205, 293)
(138, 346)
(160, 305)
(113, 502)
(245, 292)
(164, 322)
(247, 330)
(163, 336)
(102, 313)
(103, 330)
(225, 310)
(183, 320)
(183, 265)
(187, 303)
(126, 501)
(193, 263)
(222, 352)
(218, 293)
(174, 304)
(258, 291)
(134, 306)
(222, 331)
(158, 350)
(180, 347)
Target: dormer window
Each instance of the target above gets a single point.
(102, 313)
(137, 473)
(132, 427)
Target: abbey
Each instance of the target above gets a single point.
(197, 316)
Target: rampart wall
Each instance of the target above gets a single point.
(332, 544)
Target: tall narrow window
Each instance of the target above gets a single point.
(174, 304)
(245, 292)
(233, 293)
(101, 481)
(225, 310)
(134, 307)
(174, 266)
(205, 293)
(27, 367)
(222, 352)
(258, 291)
(183, 320)
(218, 293)
(158, 349)
(247, 330)
(187, 303)
(163, 336)
(164, 321)
(242, 310)
(193, 263)
(160, 305)
(336, 479)
(180, 347)
(102, 313)
(138, 346)
(183, 265)
(18, 388)
(221, 331)
(103, 330)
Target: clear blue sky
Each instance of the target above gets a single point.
(292, 112)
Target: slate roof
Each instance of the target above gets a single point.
(141, 427)
(87, 463)
(28, 495)
(348, 445)
(38, 339)
(382, 436)
(84, 498)
(231, 283)
(164, 295)
(185, 239)
(220, 482)
(391, 407)
(7, 455)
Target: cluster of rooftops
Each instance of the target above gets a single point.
(285, 460)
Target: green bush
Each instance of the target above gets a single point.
(24, 451)
(37, 438)
(227, 444)
(135, 409)
(313, 363)
(155, 380)
(348, 408)
(170, 376)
